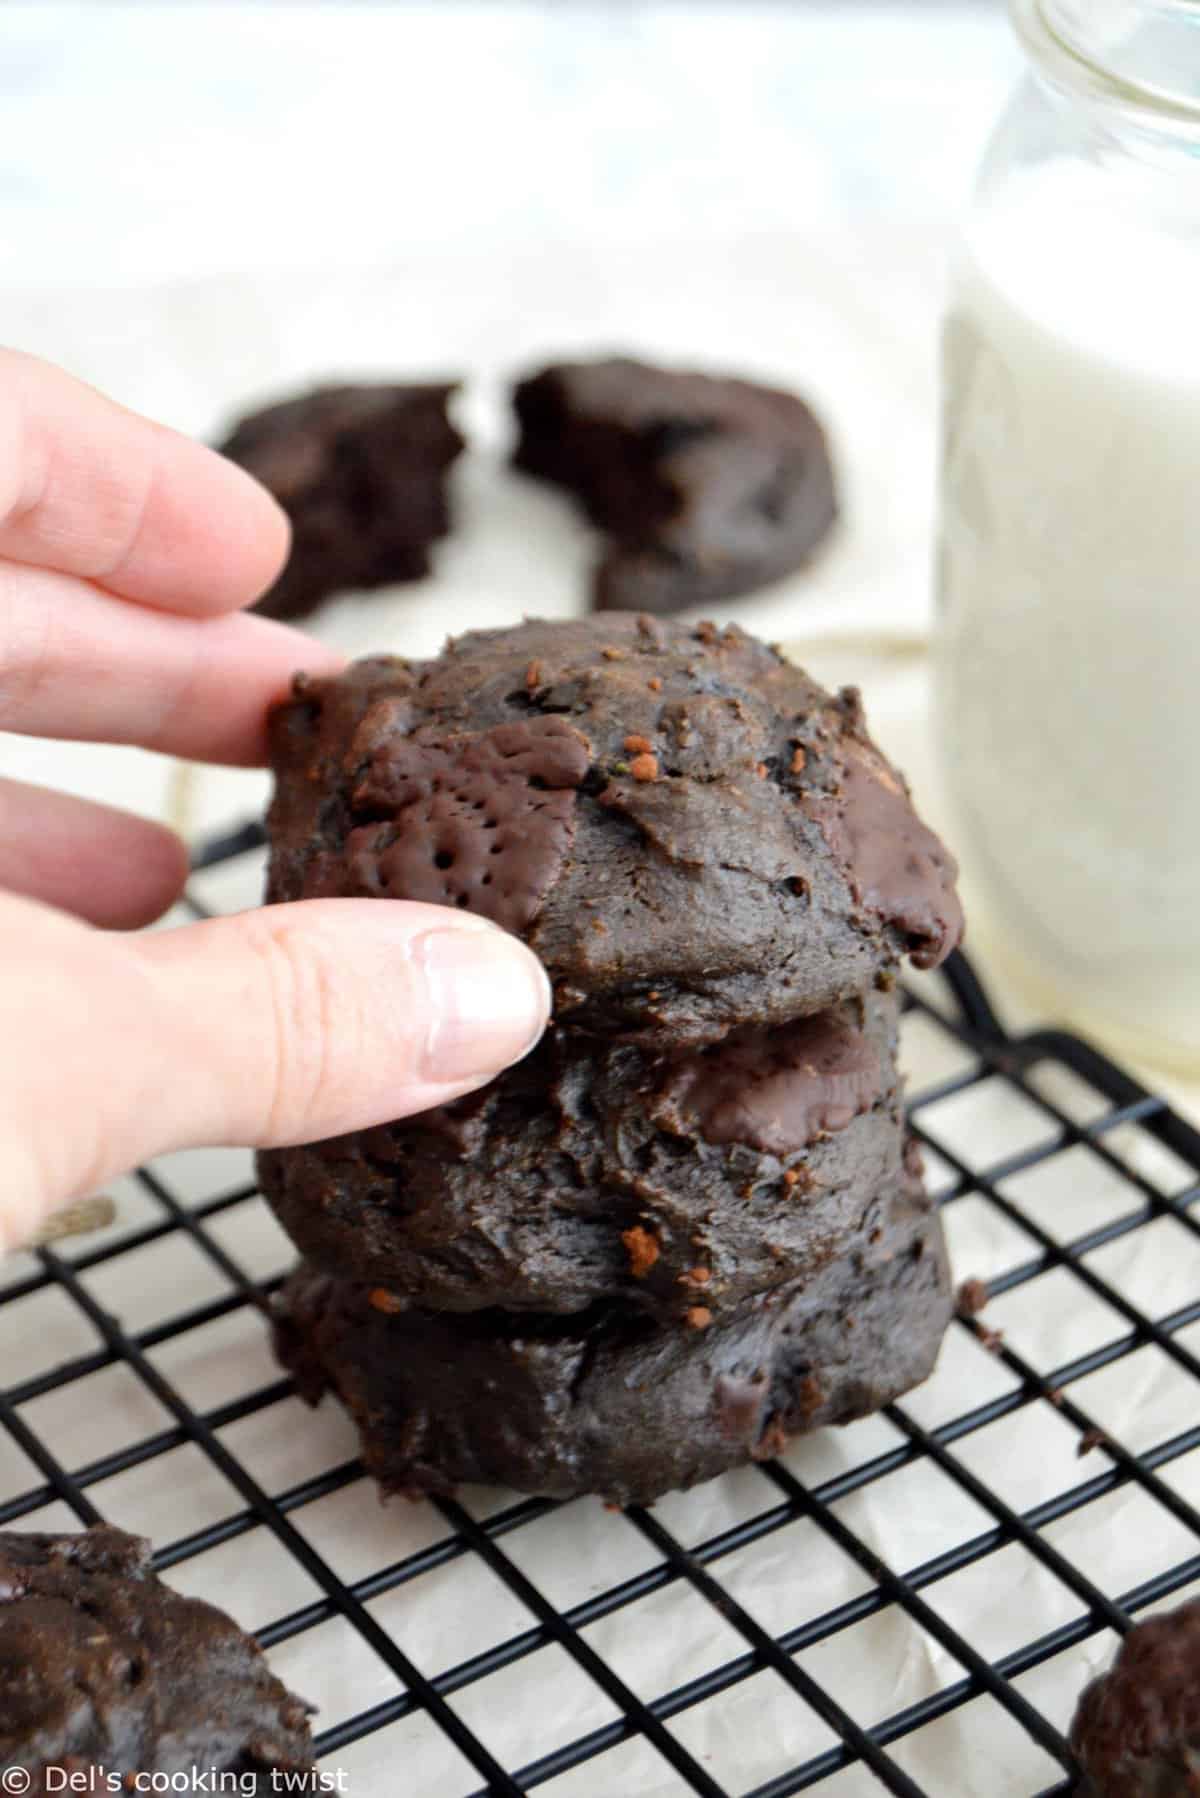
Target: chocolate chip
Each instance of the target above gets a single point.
(973, 1297)
(380, 1299)
(643, 1249)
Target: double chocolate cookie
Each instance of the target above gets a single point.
(707, 488)
(608, 1400)
(688, 831)
(102, 1666)
(596, 1170)
(1136, 1732)
(361, 473)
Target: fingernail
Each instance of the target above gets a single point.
(489, 1001)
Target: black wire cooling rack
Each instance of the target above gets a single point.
(1077, 1169)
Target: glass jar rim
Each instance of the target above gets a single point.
(1070, 66)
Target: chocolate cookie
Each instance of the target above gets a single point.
(1137, 1729)
(707, 488)
(611, 1403)
(102, 1666)
(595, 1171)
(689, 832)
(360, 472)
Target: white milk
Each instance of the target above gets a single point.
(1070, 575)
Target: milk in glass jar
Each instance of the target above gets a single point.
(1069, 630)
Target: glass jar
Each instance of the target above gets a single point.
(1068, 643)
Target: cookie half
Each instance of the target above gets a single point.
(361, 473)
(706, 487)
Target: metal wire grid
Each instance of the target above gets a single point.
(867, 1746)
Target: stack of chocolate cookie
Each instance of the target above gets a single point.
(689, 1224)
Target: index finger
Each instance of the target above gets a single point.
(90, 489)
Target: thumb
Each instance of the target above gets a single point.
(277, 1026)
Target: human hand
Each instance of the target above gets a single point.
(126, 553)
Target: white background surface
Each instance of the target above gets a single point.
(472, 186)
(158, 141)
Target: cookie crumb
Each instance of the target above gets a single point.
(655, 684)
(697, 1317)
(1089, 1440)
(773, 1441)
(380, 1299)
(992, 1340)
(643, 1249)
(761, 770)
(810, 1395)
(613, 654)
(533, 676)
(638, 745)
(696, 1276)
(1055, 1396)
(799, 760)
(973, 1297)
(791, 1176)
(644, 767)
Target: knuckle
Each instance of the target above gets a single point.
(117, 512)
(306, 1023)
(26, 648)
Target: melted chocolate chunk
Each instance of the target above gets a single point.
(480, 821)
(781, 1090)
(898, 870)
